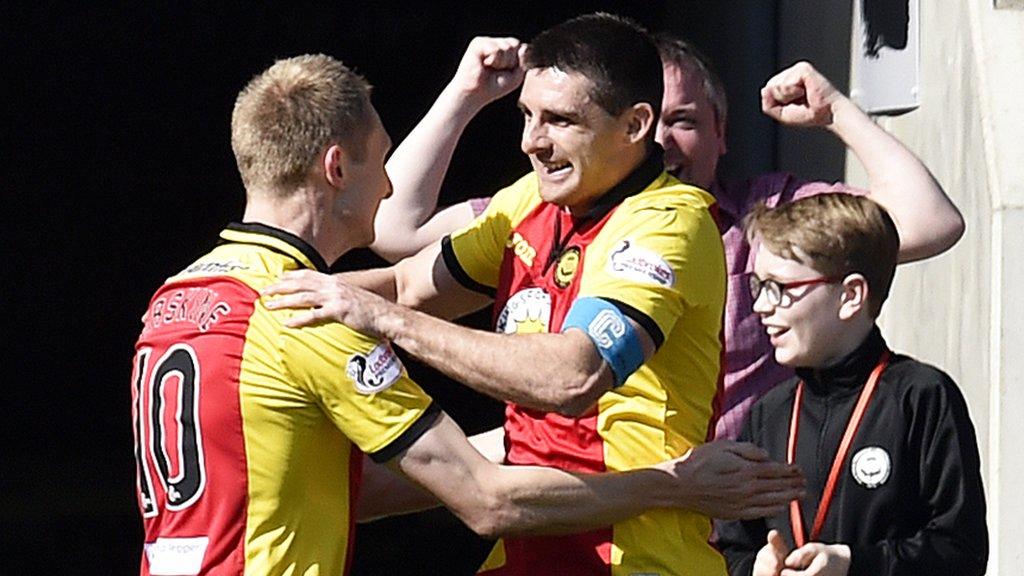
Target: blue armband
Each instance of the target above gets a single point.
(611, 331)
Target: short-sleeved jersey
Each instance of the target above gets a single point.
(651, 248)
(249, 435)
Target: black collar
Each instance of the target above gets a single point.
(851, 371)
(635, 182)
(280, 241)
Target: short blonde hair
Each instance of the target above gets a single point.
(285, 117)
(839, 233)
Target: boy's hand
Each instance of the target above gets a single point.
(771, 558)
(818, 559)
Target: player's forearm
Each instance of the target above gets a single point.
(384, 493)
(417, 169)
(380, 281)
(534, 500)
(423, 283)
(550, 372)
(928, 221)
(496, 500)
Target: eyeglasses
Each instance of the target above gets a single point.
(774, 290)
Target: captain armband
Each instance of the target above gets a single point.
(611, 331)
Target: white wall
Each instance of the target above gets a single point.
(964, 311)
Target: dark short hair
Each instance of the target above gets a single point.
(616, 54)
(838, 233)
(688, 58)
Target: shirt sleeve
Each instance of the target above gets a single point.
(954, 536)
(474, 253)
(361, 385)
(655, 261)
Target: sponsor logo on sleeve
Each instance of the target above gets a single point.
(871, 467)
(640, 264)
(376, 370)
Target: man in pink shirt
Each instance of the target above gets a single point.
(692, 131)
(691, 128)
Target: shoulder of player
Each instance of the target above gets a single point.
(517, 198)
(332, 336)
(666, 194)
(256, 266)
(678, 209)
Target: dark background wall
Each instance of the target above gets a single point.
(117, 171)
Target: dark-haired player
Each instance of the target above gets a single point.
(608, 278)
(250, 435)
(692, 129)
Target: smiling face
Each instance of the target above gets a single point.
(689, 130)
(578, 150)
(806, 328)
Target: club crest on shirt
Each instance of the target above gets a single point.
(526, 312)
(568, 263)
(871, 466)
(375, 371)
(640, 264)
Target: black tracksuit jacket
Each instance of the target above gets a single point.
(927, 517)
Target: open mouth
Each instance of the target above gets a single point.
(677, 170)
(557, 168)
(774, 332)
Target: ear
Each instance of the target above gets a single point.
(854, 299)
(334, 159)
(640, 121)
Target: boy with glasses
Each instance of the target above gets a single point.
(885, 442)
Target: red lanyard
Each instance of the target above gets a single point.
(796, 518)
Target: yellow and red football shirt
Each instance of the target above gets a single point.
(650, 247)
(248, 434)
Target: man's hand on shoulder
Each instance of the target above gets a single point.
(800, 96)
(326, 298)
(730, 480)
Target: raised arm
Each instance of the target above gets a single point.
(497, 500)
(489, 70)
(927, 220)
